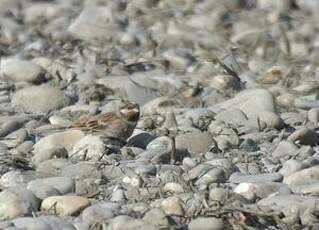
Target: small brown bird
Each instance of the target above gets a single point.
(117, 125)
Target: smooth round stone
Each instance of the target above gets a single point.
(162, 142)
(285, 148)
(206, 223)
(53, 166)
(251, 102)
(89, 148)
(308, 189)
(21, 70)
(56, 222)
(80, 171)
(270, 120)
(128, 223)
(284, 202)
(189, 163)
(65, 205)
(172, 206)
(66, 139)
(159, 105)
(51, 186)
(99, 213)
(194, 142)
(286, 100)
(218, 194)
(233, 116)
(10, 126)
(17, 201)
(291, 166)
(173, 188)
(305, 136)
(82, 28)
(47, 154)
(39, 99)
(157, 217)
(247, 190)
(305, 176)
(313, 115)
(140, 139)
(17, 178)
(27, 223)
(266, 177)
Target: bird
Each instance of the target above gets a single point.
(118, 125)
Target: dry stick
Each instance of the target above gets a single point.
(286, 40)
(173, 151)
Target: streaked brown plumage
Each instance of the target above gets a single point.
(115, 125)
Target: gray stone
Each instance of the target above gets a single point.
(89, 148)
(266, 177)
(206, 223)
(51, 186)
(305, 136)
(21, 70)
(100, 213)
(251, 102)
(305, 176)
(17, 201)
(156, 217)
(100, 17)
(140, 139)
(194, 142)
(285, 148)
(65, 139)
(39, 99)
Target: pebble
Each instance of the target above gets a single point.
(88, 148)
(285, 148)
(82, 27)
(140, 139)
(65, 205)
(157, 217)
(194, 142)
(291, 166)
(304, 176)
(266, 177)
(17, 178)
(99, 213)
(66, 139)
(51, 186)
(304, 136)
(172, 206)
(39, 99)
(251, 102)
(21, 70)
(17, 201)
(206, 223)
(286, 202)
(313, 115)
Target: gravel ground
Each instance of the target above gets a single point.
(227, 136)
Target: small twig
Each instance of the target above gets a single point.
(286, 40)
